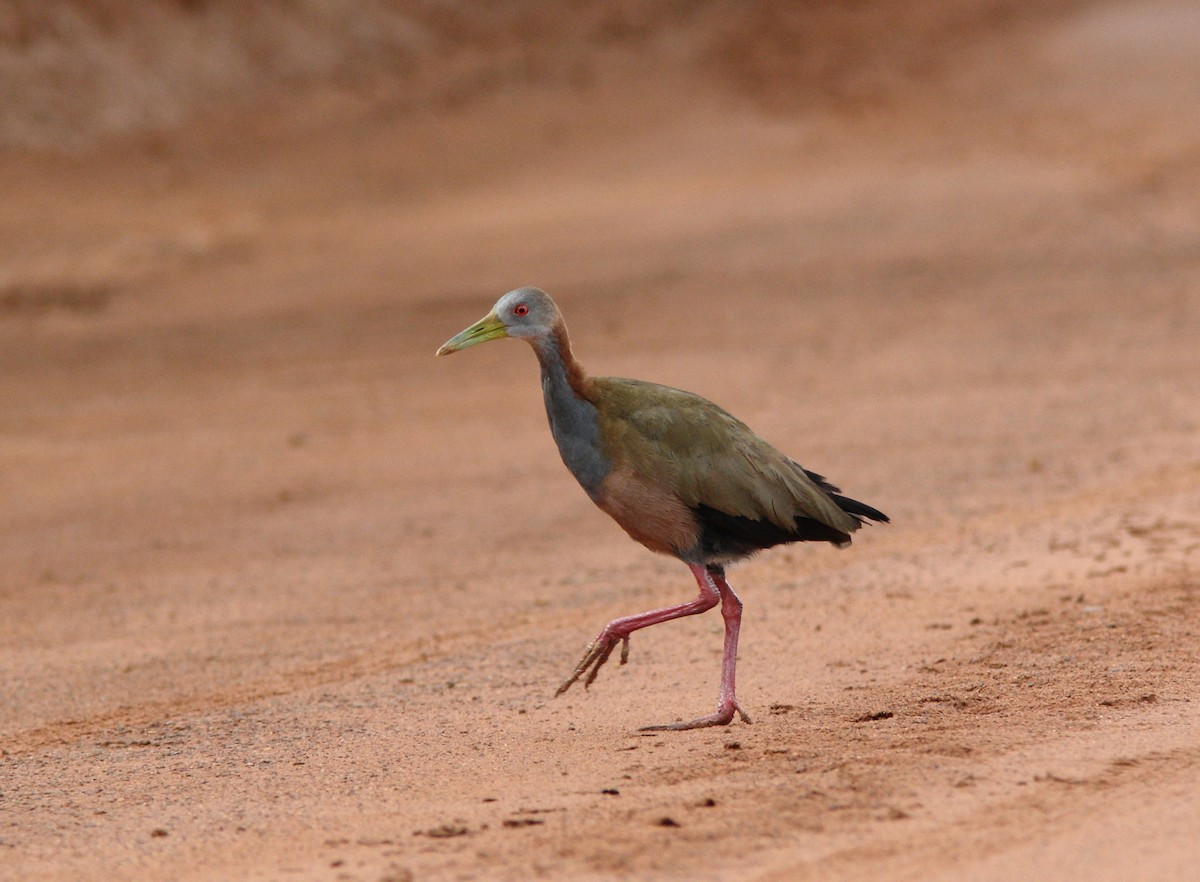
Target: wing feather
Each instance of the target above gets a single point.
(707, 456)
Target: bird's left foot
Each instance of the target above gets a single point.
(593, 660)
(723, 717)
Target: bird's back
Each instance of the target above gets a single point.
(743, 493)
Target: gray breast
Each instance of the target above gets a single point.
(575, 425)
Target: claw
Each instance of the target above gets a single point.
(593, 660)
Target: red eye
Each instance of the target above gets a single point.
(521, 309)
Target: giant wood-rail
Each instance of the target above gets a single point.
(679, 474)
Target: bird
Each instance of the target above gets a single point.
(679, 474)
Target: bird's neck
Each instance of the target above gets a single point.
(562, 375)
(571, 409)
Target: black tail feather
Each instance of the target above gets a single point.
(850, 506)
(859, 509)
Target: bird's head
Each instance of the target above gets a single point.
(525, 312)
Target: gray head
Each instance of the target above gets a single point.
(525, 312)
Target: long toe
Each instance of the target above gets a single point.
(589, 656)
(593, 659)
(598, 664)
(722, 717)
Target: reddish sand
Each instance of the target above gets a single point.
(284, 597)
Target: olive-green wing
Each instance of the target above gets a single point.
(707, 456)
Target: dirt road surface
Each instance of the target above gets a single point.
(284, 597)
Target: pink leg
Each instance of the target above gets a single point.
(620, 629)
(731, 611)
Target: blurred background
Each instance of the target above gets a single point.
(261, 218)
(76, 74)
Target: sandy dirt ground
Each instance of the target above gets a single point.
(284, 597)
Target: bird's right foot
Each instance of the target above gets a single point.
(593, 660)
(723, 717)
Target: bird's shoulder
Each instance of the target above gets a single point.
(656, 413)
